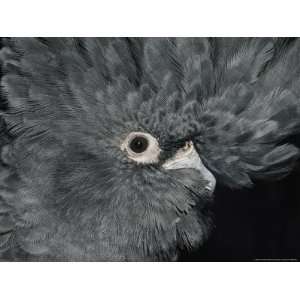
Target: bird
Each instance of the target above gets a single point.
(111, 148)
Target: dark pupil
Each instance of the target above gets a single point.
(139, 144)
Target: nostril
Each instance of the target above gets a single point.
(188, 146)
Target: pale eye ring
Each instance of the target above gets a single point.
(141, 147)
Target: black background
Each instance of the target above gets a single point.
(262, 223)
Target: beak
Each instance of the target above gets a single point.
(188, 158)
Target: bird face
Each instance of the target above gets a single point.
(144, 149)
(102, 170)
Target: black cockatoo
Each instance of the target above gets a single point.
(111, 147)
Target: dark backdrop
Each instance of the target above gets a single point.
(262, 223)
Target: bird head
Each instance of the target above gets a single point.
(102, 169)
(111, 140)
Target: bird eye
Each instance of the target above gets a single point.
(141, 147)
(139, 144)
